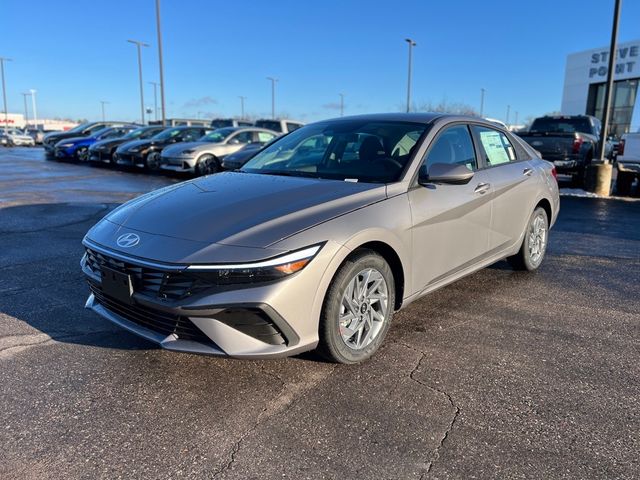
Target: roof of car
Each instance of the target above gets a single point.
(398, 117)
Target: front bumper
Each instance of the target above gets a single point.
(64, 152)
(254, 321)
(178, 164)
(99, 156)
(128, 159)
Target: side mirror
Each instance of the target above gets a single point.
(445, 173)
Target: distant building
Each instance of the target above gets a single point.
(584, 85)
(17, 120)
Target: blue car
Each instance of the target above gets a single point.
(77, 148)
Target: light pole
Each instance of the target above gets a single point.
(411, 45)
(242, 99)
(164, 120)
(273, 96)
(482, 90)
(33, 104)
(102, 104)
(4, 92)
(155, 99)
(26, 110)
(341, 104)
(508, 111)
(138, 45)
(609, 87)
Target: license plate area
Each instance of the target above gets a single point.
(117, 285)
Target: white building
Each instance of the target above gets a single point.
(17, 120)
(584, 85)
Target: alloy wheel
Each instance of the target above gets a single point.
(537, 238)
(363, 309)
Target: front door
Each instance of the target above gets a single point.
(450, 222)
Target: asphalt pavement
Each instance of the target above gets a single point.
(501, 375)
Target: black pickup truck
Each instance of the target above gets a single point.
(570, 142)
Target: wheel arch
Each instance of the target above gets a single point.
(546, 205)
(387, 252)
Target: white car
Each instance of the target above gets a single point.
(628, 162)
(20, 138)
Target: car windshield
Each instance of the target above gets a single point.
(561, 125)
(142, 133)
(217, 136)
(222, 122)
(349, 150)
(167, 134)
(79, 128)
(103, 134)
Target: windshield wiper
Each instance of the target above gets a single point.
(285, 173)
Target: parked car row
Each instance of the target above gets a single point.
(194, 149)
(11, 137)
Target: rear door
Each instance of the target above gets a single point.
(514, 182)
(451, 223)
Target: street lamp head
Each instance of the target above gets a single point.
(410, 42)
(136, 42)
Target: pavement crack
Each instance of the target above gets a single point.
(456, 409)
(289, 395)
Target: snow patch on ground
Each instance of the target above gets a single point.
(578, 192)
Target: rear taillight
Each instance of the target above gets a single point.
(554, 174)
(621, 148)
(577, 144)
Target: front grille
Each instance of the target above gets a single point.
(148, 281)
(155, 320)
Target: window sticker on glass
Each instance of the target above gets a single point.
(494, 147)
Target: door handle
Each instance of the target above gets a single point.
(528, 172)
(481, 188)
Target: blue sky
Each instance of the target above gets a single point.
(75, 54)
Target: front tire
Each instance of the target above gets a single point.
(624, 180)
(206, 165)
(152, 161)
(357, 309)
(82, 154)
(534, 245)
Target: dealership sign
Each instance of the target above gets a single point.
(626, 62)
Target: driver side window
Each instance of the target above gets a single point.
(452, 146)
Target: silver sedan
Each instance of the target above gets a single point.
(321, 236)
(205, 155)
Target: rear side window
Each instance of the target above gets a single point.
(496, 147)
(293, 126)
(452, 146)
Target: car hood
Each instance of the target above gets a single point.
(112, 142)
(136, 143)
(243, 209)
(178, 148)
(76, 139)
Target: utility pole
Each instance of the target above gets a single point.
(138, 45)
(273, 96)
(482, 102)
(341, 104)
(411, 45)
(26, 110)
(33, 104)
(102, 104)
(155, 99)
(599, 175)
(242, 99)
(164, 119)
(4, 92)
(508, 111)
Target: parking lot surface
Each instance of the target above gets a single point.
(501, 375)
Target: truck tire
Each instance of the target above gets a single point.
(623, 183)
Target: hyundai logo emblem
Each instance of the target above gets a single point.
(128, 240)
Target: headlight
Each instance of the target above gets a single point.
(66, 145)
(256, 272)
(188, 152)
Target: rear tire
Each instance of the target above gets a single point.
(357, 309)
(534, 244)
